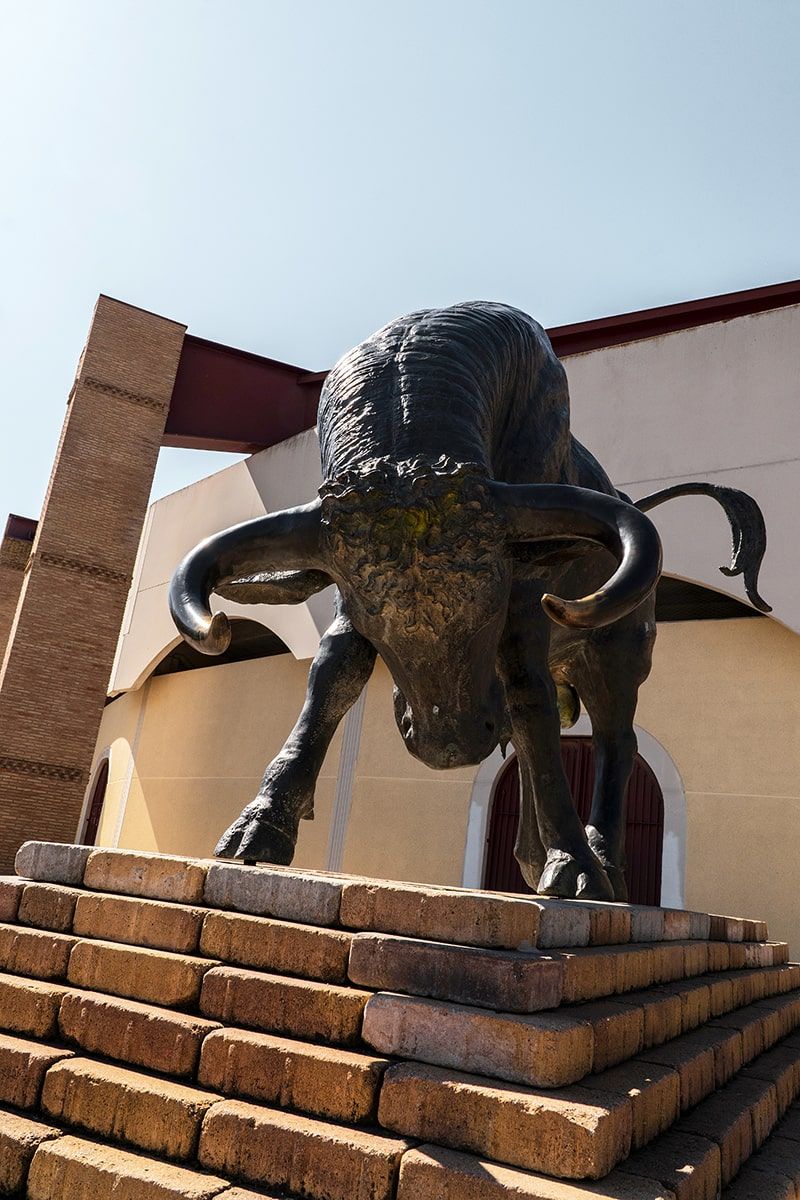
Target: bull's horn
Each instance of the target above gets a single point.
(542, 512)
(283, 541)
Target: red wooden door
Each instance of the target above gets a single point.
(644, 831)
(96, 805)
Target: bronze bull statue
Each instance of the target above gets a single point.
(456, 511)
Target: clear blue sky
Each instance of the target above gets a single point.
(287, 175)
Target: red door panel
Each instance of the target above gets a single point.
(644, 831)
(96, 806)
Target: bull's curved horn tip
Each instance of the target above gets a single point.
(556, 608)
(216, 637)
(575, 614)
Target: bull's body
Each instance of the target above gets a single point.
(420, 427)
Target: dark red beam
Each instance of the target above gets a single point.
(22, 529)
(226, 399)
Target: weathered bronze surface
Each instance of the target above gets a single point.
(456, 504)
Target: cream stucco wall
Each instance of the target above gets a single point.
(200, 740)
(724, 701)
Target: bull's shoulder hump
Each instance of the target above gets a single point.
(487, 321)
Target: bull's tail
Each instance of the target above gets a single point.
(748, 530)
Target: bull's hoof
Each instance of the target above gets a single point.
(569, 879)
(614, 871)
(256, 837)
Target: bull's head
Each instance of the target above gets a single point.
(421, 554)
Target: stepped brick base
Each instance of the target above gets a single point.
(173, 1028)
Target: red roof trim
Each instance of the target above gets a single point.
(670, 318)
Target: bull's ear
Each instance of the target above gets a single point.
(281, 543)
(547, 512)
(266, 588)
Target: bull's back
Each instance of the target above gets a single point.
(476, 382)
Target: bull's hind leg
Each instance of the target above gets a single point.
(607, 675)
(267, 829)
(552, 850)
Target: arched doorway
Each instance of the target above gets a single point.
(95, 809)
(645, 822)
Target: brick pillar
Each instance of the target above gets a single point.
(15, 550)
(54, 679)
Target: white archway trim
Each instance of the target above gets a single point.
(128, 780)
(348, 757)
(673, 856)
(480, 807)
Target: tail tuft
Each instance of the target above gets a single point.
(748, 531)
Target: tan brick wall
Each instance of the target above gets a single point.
(14, 555)
(55, 675)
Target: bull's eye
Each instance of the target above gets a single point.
(436, 710)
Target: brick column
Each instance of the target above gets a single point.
(54, 679)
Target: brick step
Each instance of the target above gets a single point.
(701, 1153)
(322, 1080)
(23, 1066)
(283, 946)
(773, 1172)
(38, 953)
(530, 982)
(155, 924)
(300, 1008)
(585, 1131)
(141, 1035)
(99, 1098)
(304, 1008)
(82, 936)
(553, 1049)
(153, 976)
(268, 1147)
(72, 1168)
(20, 1137)
(568, 1133)
(282, 1155)
(161, 1039)
(454, 915)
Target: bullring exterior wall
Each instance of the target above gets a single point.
(722, 701)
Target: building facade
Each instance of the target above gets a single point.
(707, 390)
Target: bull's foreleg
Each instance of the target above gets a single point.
(607, 675)
(552, 849)
(614, 754)
(267, 829)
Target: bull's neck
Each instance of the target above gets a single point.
(424, 426)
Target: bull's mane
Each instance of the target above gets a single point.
(415, 540)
